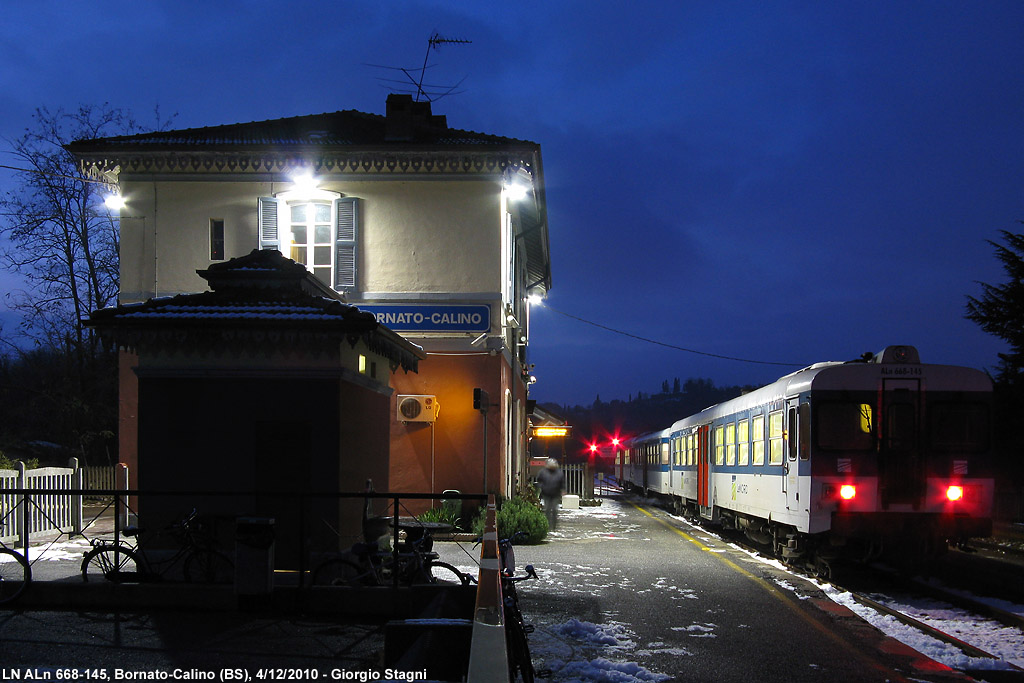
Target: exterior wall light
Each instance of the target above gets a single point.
(305, 181)
(114, 202)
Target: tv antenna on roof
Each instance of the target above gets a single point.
(430, 93)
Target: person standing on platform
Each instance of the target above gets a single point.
(551, 482)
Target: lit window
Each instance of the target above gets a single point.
(743, 442)
(775, 451)
(319, 229)
(758, 445)
(719, 445)
(730, 444)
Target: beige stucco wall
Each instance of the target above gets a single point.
(418, 236)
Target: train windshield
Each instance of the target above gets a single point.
(844, 426)
(956, 426)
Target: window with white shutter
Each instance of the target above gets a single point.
(320, 231)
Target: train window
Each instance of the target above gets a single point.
(901, 427)
(955, 426)
(719, 446)
(758, 445)
(775, 438)
(689, 450)
(664, 453)
(730, 444)
(805, 430)
(843, 426)
(743, 439)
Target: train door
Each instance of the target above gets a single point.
(798, 448)
(790, 465)
(901, 477)
(704, 470)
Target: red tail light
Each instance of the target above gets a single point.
(847, 491)
(955, 493)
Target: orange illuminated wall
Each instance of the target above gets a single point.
(448, 453)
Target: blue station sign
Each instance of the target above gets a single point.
(431, 317)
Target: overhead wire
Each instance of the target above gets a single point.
(667, 345)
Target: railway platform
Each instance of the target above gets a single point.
(625, 593)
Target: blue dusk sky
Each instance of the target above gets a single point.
(785, 182)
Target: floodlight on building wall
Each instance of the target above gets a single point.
(305, 181)
(114, 202)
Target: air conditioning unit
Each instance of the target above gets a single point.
(417, 408)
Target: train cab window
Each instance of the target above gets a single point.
(955, 426)
(775, 447)
(757, 450)
(743, 442)
(843, 426)
(901, 427)
(719, 445)
(730, 444)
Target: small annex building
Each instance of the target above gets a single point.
(267, 383)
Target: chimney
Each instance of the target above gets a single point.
(405, 120)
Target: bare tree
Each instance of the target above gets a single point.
(64, 243)
(61, 241)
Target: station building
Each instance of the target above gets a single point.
(440, 233)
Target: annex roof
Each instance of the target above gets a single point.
(261, 294)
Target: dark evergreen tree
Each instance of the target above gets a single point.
(1000, 309)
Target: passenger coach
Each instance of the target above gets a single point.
(865, 456)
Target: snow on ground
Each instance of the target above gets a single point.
(582, 651)
(991, 636)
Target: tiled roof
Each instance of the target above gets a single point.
(348, 128)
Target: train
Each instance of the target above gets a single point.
(882, 456)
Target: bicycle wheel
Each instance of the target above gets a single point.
(342, 571)
(442, 572)
(109, 562)
(15, 575)
(209, 566)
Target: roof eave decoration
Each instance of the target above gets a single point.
(276, 161)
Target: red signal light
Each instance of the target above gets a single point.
(593, 448)
(955, 493)
(847, 491)
(615, 441)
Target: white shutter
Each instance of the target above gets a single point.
(346, 217)
(269, 236)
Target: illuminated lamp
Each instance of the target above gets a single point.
(593, 448)
(847, 491)
(535, 299)
(515, 192)
(615, 441)
(955, 493)
(305, 181)
(114, 202)
(552, 432)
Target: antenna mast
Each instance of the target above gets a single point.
(423, 90)
(433, 43)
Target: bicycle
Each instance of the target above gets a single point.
(15, 575)
(520, 663)
(366, 564)
(122, 562)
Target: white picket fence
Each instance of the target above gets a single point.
(50, 510)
